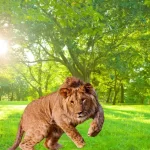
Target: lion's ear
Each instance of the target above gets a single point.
(88, 88)
(65, 92)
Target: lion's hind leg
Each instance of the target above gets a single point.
(51, 141)
(31, 138)
(27, 144)
(50, 145)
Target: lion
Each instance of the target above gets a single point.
(50, 116)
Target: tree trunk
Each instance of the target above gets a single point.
(83, 76)
(142, 100)
(18, 94)
(47, 81)
(115, 90)
(8, 96)
(40, 93)
(109, 93)
(12, 96)
(115, 97)
(122, 93)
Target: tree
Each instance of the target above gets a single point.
(12, 86)
(105, 42)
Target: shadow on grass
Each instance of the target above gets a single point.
(127, 114)
(128, 129)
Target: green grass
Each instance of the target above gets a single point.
(126, 127)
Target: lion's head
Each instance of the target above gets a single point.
(80, 99)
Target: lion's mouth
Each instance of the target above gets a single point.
(81, 116)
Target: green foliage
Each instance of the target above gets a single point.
(125, 127)
(12, 86)
(104, 42)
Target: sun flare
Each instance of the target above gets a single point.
(3, 47)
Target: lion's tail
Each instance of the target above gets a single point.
(18, 138)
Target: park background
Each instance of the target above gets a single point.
(106, 43)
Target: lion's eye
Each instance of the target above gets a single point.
(72, 102)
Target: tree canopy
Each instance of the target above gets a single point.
(103, 42)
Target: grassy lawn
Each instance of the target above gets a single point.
(126, 127)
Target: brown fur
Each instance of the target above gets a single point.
(50, 116)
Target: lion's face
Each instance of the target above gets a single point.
(80, 102)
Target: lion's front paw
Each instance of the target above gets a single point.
(94, 129)
(80, 144)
